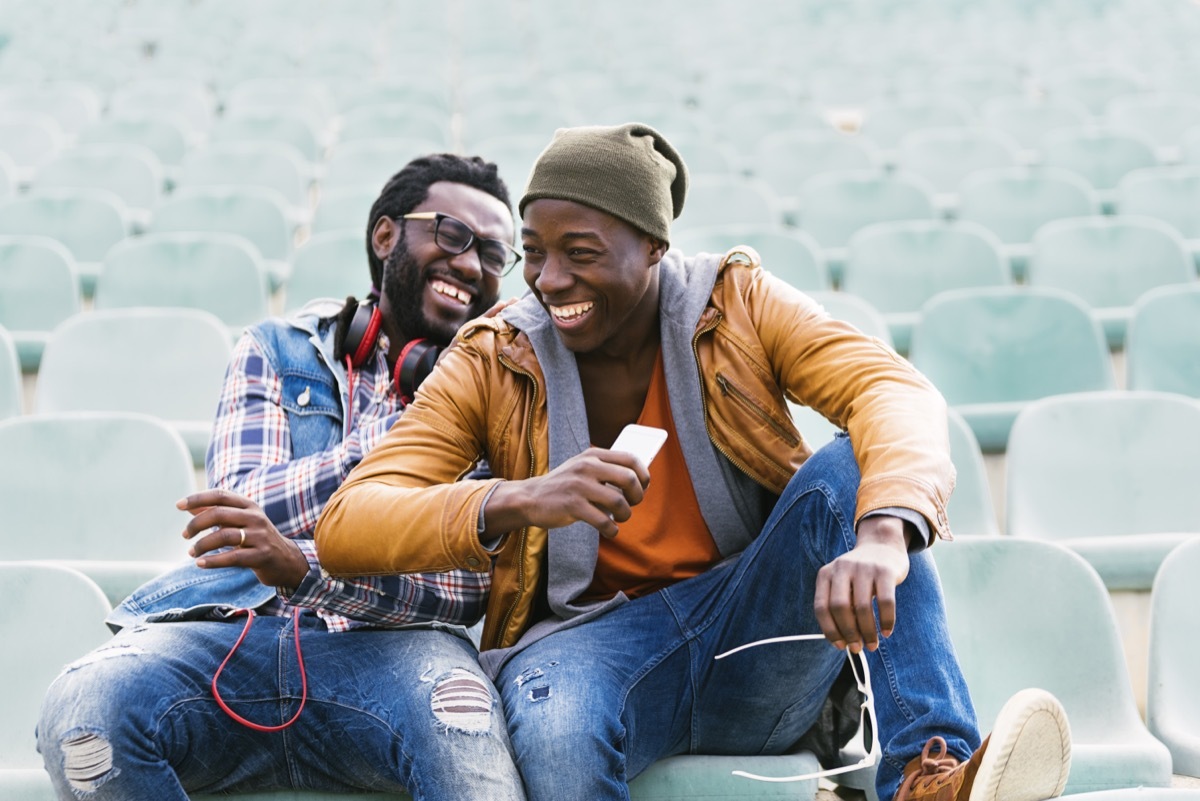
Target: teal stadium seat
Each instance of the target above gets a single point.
(1028, 120)
(993, 350)
(758, 118)
(971, 510)
(95, 491)
(260, 215)
(728, 199)
(219, 273)
(785, 159)
(1109, 262)
(368, 163)
(87, 222)
(162, 134)
(1173, 698)
(788, 254)
(71, 104)
(1190, 146)
(178, 100)
(833, 205)
(294, 93)
(343, 210)
(167, 362)
(1024, 613)
(856, 311)
(330, 265)
(29, 140)
(11, 383)
(489, 117)
(417, 93)
(1102, 156)
(1013, 202)
(38, 290)
(272, 166)
(385, 120)
(887, 121)
(1111, 475)
(1092, 84)
(8, 176)
(946, 156)
(35, 653)
(1170, 194)
(1162, 351)
(131, 172)
(1162, 117)
(275, 127)
(898, 266)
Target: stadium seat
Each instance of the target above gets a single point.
(971, 510)
(167, 362)
(259, 215)
(163, 135)
(514, 157)
(1013, 202)
(35, 653)
(992, 350)
(181, 101)
(1028, 120)
(340, 210)
(898, 266)
(131, 172)
(272, 166)
(833, 205)
(945, 156)
(386, 120)
(11, 383)
(759, 118)
(329, 265)
(704, 154)
(1101, 156)
(8, 176)
(1162, 117)
(1162, 347)
(29, 141)
(261, 94)
(1109, 262)
(512, 118)
(368, 163)
(1170, 194)
(1024, 613)
(72, 105)
(99, 488)
(276, 127)
(788, 254)
(785, 159)
(856, 311)
(717, 200)
(1173, 697)
(219, 273)
(1190, 146)
(1093, 84)
(979, 80)
(1112, 475)
(886, 122)
(87, 222)
(413, 92)
(38, 290)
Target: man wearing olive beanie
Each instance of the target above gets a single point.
(618, 576)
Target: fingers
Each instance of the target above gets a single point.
(844, 605)
(199, 501)
(221, 537)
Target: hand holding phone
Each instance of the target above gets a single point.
(642, 442)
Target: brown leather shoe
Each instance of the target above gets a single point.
(1026, 758)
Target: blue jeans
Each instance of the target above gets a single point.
(387, 711)
(591, 707)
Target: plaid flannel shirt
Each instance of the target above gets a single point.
(251, 455)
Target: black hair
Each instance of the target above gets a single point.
(408, 188)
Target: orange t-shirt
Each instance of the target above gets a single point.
(666, 540)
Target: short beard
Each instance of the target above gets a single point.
(404, 286)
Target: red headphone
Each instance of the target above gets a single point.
(416, 359)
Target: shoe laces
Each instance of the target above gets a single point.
(933, 769)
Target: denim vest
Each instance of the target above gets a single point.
(300, 351)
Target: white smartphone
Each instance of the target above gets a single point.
(642, 442)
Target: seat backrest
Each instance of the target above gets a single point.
(269, 165)
(86, 221)
(356, 165)
(271, 127)
(162, 134)
(1173, 694)
(93, 486)
(258, 214)
(1028, 121)
(788, 254)
(856, 311)
(72, 105)
(1162, 351)
(330, 265)
(341, 210)
(1025, 613)
(1109, 261)
(1009, 344)
(10, 377)
(1170, 194)
(131, 172)
(945, 156)
(886, 123)
(1104, 464)
(38, 285)
(716, 199)
(1162, 117)
(384, 120)
(1092, 85)
(1013, 202)
(1101, 156)
(166, 362)
(970, 509)
(834, 205)
(785, 159)
(183, 100)
(30, 140)
(219, 273)
(898, 266)
(49, 616)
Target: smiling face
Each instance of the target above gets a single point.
(427, 292)
(596, 275)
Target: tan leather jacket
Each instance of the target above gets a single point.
(487, 398)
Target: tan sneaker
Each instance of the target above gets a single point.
(1026, 758)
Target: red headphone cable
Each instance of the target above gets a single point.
(299, 660)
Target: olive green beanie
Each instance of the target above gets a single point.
(629, 171)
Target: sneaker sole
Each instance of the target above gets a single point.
(1029, 754)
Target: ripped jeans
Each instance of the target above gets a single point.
(389, 711)
(591, 707)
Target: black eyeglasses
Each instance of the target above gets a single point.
(454, 237)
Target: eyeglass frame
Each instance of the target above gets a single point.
(475, 239)
(866, 710)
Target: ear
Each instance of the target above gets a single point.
(658, 249)
(384, 237)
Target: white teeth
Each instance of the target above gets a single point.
(570, 312)
(442, 288)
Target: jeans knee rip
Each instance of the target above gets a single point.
(100, 654)
(462, 702)
(542, 691)
(87, 761)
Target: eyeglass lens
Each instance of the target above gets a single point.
(455, 237)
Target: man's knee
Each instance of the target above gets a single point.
(462, 702)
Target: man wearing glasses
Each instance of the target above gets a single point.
(194, 695)
(623, 587)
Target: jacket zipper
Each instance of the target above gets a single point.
(503, 627)
(731, 390)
